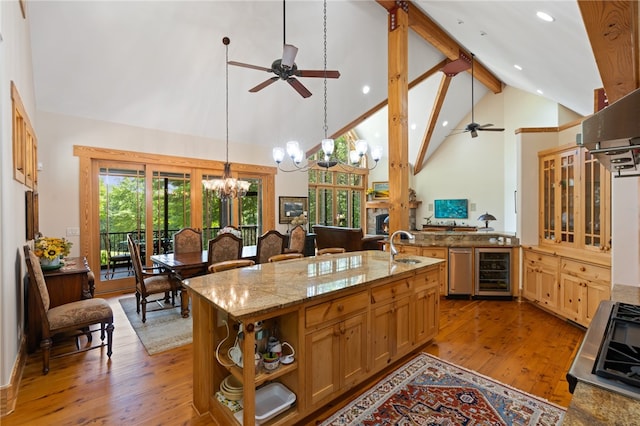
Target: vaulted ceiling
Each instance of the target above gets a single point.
(161, 64)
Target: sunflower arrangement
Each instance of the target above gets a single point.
(50, 248)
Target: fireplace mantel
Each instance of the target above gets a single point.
(383, 204)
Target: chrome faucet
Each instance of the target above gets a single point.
(392, 248)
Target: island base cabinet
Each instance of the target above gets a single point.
(336, 358)
(427, 308)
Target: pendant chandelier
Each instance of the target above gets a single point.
(296, 153)
(228, 187)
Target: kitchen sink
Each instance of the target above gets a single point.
(408, 260)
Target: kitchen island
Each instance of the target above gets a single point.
(347, 316)
(592, 405)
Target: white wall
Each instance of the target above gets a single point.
(625, 235)
(15, 65)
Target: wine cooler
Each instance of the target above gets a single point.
(493, 272)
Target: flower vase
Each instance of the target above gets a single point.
(50, 263)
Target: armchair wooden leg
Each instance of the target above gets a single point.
(144, 310)
(45, 345)
(109, 339)
(137, 302)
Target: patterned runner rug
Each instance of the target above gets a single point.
(164, 329)
(430, 391)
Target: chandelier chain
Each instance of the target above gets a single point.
(227, 99)
(326, 128)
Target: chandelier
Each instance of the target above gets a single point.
(227, 187)
(296, 154)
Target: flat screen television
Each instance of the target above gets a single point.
(451, 209)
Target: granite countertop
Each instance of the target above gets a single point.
(453, 243)
(265, 287)
(592, 405)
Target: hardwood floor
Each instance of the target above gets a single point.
(515, 343)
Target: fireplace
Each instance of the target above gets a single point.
(382, 224)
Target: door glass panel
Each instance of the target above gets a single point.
(549, 198)
(567, 196)
(325, 206)
(251, 213)
(342, 212)
(171, 208)
(121, 210)
(592, 206)
(216, 213)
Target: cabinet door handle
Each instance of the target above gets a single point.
(582, 269)
(340, 307)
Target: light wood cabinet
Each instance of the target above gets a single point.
(596, 205)
(336, 357)
(390, 322)
(568, 287)
(439, 253)
(426, 306)
(582, 287)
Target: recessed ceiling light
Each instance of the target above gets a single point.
(365, 89)
(444, 123)
(413, 126)
(545, 16)
(518, 67)
(540, 92)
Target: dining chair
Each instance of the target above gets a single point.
(76, 316)
(187, 240)
(224, 247)
(151, 281)
(330, 250)
(269, 244)
(285, 256)
(229, 264)
(297, 240)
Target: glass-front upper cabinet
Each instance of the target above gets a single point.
(560, 177)
(596, 204)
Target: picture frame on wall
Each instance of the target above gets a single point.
(380, 190)
(292, 207)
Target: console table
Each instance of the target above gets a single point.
(73, 282)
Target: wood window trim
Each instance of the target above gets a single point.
(25, 143)
(88, 182)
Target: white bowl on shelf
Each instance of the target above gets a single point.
(271, 400)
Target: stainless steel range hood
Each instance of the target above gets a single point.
(612, 135)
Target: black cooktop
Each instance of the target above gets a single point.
(619, 354)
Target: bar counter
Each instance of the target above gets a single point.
(347, 316)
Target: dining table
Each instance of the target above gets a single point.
(187, 265)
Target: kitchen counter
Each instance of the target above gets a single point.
(347, 315)
(460, 239)
(592, 405)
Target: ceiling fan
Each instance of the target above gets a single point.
(285, 68)
(454, 67)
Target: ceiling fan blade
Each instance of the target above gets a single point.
(264, 84)
(304, 92)
(494, 129)
(289, 53)
(255, 67)
(318, 73)
(485, 125)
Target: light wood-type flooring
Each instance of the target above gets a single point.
(513, 342)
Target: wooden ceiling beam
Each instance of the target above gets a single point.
(612, 27)
(426, 28)
(431, 125)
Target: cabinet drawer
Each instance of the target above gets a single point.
(335, 309)
(427, 279)
(437, 252)
(586, 271)
(539, 259)
(390, 291)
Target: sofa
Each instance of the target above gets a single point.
(351, 239)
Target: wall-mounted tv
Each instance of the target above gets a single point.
(451, 209)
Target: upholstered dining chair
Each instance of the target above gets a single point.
(224, 247)
(187, 240)
(285, 256)
(269, 244)
(76, 316)
(331, 250)
(297, 240)
(151, 281)
(229, 264)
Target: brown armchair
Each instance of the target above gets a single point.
(187, 240)
(269, 244)
(351, 239)
(151, 281)
(229, 264)
(285, 256)
(75, 316)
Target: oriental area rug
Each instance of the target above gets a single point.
(430, 391)
(164, 329)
